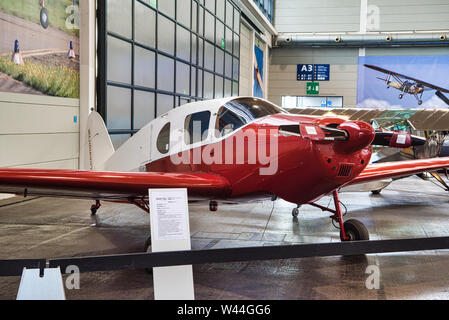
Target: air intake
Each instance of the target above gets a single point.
(345, 170)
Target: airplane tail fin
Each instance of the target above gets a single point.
(99, 145)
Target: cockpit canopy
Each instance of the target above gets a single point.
(239, 112)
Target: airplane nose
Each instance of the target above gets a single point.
(360, 135)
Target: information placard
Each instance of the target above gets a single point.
(170, 231)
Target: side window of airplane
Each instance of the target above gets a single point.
(196, 127)
(163, 139)
(227, 121)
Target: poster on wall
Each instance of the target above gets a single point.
(403, 82)
(39, 47)
(258, 72)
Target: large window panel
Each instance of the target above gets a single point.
(229, 14)
(182, 43)
(119, 108)
(229, 40)
(194, 16)
(165, 103)
(236, 21)
(210, 5)
(219, 34)
(183, 12)
(154, 55)
(200, 83)
(227, 88)
(209, 27)
(193, 82)
(208, 85)
(166, 35)
(209, 56)
(143, 108)
(119, 60)
(228, 65)
(182, 78)
(167, 7)
(166, 75)
(218, 87)
(220, 7)
(145, 25)
(119, 19)
(219, 60)
(144, 68)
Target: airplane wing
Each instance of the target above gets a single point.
(429, 85)
(396, 169)
(102, 185)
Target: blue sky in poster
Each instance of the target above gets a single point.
(373, 93)
(257, 90)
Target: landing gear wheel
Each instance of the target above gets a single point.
(419, 102)
(44, 18)
(376, 191)
(401, 96)
(147, 249)
(355, 230)
(295, 212)
(213, 206)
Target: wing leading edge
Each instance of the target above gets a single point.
(101, 185)
(398, 169)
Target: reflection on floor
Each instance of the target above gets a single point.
(50, 228)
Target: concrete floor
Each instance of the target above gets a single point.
(50, 228)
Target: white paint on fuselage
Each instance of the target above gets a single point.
(140, 149)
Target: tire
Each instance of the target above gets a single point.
(355, 230)
(44, 18)
(147, 249)
(295, 212)
(401, 96)
(376, 191)
(419, 102)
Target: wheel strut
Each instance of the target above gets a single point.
(338, 216)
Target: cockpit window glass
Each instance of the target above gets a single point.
(196, 127)
(163, 139)
(239, 112)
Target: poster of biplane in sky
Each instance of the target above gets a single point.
(403, 82)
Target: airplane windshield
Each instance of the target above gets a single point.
(251, 108)
(238, 112)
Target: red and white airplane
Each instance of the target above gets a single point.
(314, 157)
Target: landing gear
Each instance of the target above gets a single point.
(213, 206)
(401, 96)
(93, 212)
(355, 230)
(376, 191)
(351, 230)
(295, 212)
(419, 102)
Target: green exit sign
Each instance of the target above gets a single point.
(313, 88)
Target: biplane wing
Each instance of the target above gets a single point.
(426, 84)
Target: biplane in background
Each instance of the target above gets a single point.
(409, 85)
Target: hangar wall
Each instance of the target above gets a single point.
(38, 131)
(345, 16)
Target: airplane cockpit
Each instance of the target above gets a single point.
(206, 121)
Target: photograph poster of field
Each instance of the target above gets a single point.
(39, 47)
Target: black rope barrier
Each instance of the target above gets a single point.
(176, 258)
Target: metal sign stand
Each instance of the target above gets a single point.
(48, 287)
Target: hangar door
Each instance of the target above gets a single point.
(157, 55)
